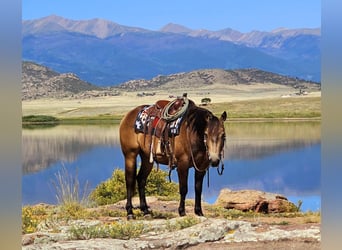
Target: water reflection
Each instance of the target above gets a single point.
(255, 140)
(42, 148)
(281, 157)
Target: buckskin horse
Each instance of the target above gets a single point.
(199, 143)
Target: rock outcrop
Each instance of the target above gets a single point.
(253, 200)
(221, 231)
(179, 232)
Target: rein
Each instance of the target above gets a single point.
(222, 164)
(192, 155)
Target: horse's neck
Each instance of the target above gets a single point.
(196, 138)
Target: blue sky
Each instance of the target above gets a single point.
(242, 15)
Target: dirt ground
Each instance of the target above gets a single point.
(293, 244)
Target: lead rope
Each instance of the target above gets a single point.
(193, 159)
(165, 113)
(222, 168)
(222, 164)
(208, 176)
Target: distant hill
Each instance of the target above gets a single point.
(41, 82)
(207, 77)
(106, 53)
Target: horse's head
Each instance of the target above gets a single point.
(214, 138)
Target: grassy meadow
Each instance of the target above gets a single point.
(112, 109)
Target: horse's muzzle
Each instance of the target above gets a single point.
(214, 162)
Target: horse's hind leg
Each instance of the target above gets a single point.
(144, 172)
(130, 177)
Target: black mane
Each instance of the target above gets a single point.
(197, 119)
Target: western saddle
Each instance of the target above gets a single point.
(160, 116)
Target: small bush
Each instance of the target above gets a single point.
(39, 119)
(31, 217)
(159, 185)
(73, 211)
(111, 190)
(182, 223)
(116, 230)
(205, 101)
(114, 189)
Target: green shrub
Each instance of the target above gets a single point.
(181, 223)
(72, 210)
(111, 190)
(114, 189)
(205, 100)
(39, 119)
(116, 230)
(31, 217)
(159, 185)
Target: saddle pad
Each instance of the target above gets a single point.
(143, 121)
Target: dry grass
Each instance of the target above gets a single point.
(247, 101)
(291, 107)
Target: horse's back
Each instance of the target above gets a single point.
(128, 136)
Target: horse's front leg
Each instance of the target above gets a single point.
(130, 177)
(144, 172)
(183, 187)
(198, 192)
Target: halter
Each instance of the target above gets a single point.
(221, 157)
(220, 172)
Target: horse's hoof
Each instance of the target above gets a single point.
(148, 216)
(130, 217)
(199, 213)
(182, 213)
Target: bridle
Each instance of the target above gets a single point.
(220, 172)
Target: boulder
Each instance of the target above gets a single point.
(254, 200)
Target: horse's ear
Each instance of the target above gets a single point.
(224, 116)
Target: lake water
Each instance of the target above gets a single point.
(278, 157)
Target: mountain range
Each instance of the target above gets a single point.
(106, 53)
